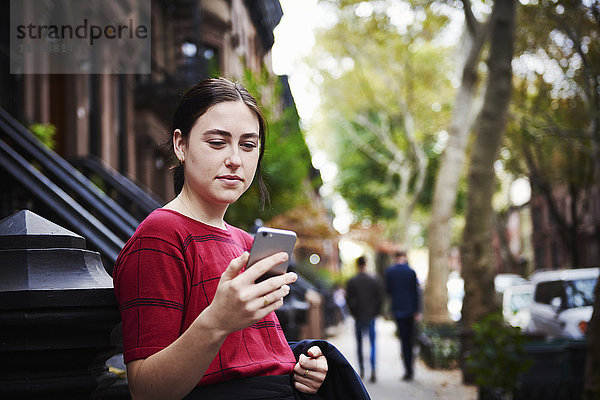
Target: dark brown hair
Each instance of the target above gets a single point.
(197, 101)
(361, 262)
(400, 253)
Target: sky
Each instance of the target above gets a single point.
(294, 39)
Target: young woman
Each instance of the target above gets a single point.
(195, 323)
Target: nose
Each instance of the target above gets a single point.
(234, 160)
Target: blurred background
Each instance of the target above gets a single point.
(464, 132)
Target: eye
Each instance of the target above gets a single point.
(249, 146)
(217, 143)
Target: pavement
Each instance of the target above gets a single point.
(428, 384)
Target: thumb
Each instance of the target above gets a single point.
(235, 267)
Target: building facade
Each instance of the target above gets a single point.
(124, 120)
(566, 233)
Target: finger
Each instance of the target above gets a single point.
(307, 374)
(268, 298)
(303, 362)
(234, 267)
(317, 365)
(270, 308)
(273, 288)
(259, 268)
(310, 379)
(322, 364)
(306, 381)
(274, 283)
(315, 352)
(304, 388)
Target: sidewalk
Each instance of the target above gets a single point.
(428, 384)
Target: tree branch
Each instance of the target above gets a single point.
(362, 145)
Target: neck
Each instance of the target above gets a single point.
(195, 208)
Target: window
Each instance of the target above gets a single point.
(210, 56)
(580, 293)
(520, 301)
(546, 291)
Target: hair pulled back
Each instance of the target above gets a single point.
(197, 101)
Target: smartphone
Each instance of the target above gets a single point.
(269, 241)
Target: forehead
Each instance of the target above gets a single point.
(230, 116)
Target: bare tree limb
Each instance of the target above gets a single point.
(362, 144)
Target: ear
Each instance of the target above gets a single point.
(179, 145)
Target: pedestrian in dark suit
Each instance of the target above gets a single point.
(403, 287)
(364, 296)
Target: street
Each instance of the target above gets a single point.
(428, 384)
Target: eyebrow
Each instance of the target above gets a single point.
(221, 132)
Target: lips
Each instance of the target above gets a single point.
(230, 178)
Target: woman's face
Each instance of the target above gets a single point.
(221, 153)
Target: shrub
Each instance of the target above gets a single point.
(45, 133)
(497, 357)
(439, 346)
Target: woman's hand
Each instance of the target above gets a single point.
(310, 372)
(240, 302)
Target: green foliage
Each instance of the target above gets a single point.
(45, 133)
(498, 356)
(286, 164)
(546, 139)
(555, 110)
(439, 346)
(375, 72)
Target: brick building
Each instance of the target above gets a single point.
(569, 236)
(124, 119)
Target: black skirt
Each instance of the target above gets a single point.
(271, 387)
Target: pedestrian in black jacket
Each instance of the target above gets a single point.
(364, 296)
(403, 287)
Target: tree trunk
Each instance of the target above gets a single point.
(507, 260)
(444, 198)
(446, 184)
(476, 248)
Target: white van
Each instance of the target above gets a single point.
(562, 302)
(516, 301)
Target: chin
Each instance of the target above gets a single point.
(228, 200)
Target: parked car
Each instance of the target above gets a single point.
(516, 301)
(562, 302)
(506, 280)
(456, 290)
(503, 281)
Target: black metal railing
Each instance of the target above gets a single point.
(64, 190)
(130, 195)
(48, 192)
(66, 176)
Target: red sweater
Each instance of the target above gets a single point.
(167, 274)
